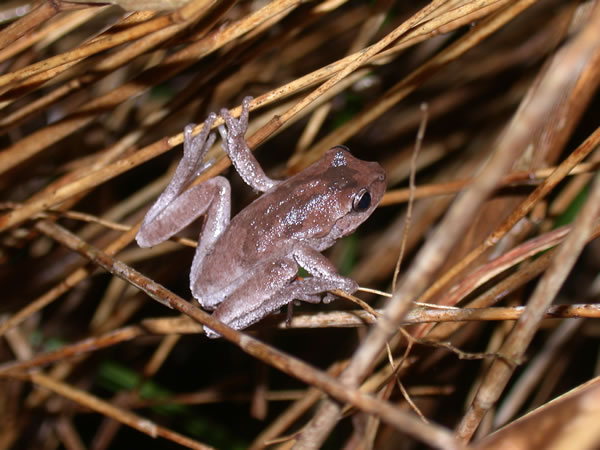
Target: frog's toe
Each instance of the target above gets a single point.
(309, 298)
(205, 138)
(210, 333)
(235, 127)
(232, 124)
(349, 285)
(329, 297)
(245, 112)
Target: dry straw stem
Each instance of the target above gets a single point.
(150, 192)
(525, 178)
(538, 366)
(98, 71)
(17, 29)
(502, 263)
(128, 418)
(189, 13)
(54, 30)
(403, 88)
(527, 272)
(336, 319)
(40, 140)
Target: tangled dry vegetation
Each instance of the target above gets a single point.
(484, 114)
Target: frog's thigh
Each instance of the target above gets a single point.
(259, 295)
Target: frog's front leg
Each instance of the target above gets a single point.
(324, 275)
(234, 144)
(177, 207)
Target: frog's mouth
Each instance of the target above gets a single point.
(345, 226)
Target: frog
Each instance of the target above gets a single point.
(246, 267)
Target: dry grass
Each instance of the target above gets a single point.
(499, 265)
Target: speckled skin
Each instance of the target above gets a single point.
(246, 268)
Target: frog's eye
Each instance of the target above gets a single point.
(361, 201)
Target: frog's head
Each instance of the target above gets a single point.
(358, 187)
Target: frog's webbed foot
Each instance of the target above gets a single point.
(233, 130)
(195, 148)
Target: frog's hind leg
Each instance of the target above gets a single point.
(260, 295)
(272, 286)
